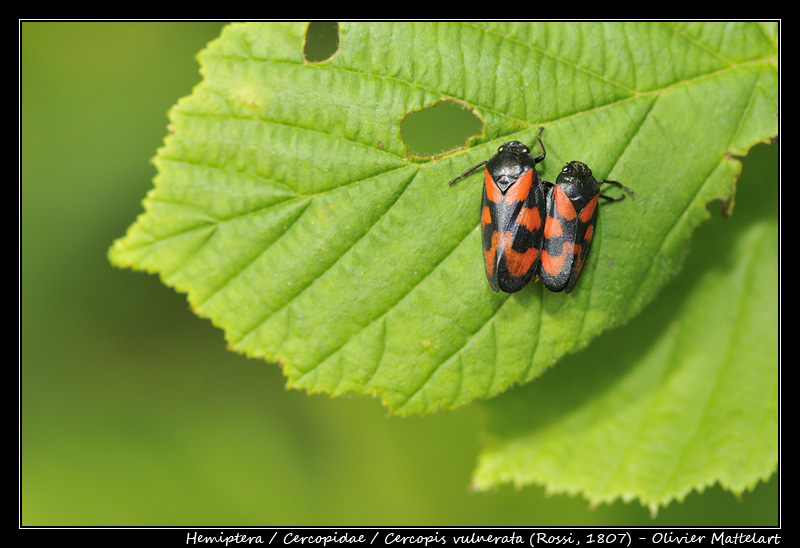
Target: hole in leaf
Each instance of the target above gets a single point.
(322, 41)
(444, 126)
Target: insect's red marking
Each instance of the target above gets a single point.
(493, 193)
(553, 265)
(529, 218)
(589, 233)
(588, 211)
(564, 205)
(489, 254)
(486, 217)
(520, 263)
(520, 189)
(552, 228)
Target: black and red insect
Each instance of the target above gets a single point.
(532, 228)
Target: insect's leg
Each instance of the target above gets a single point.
(618, 185)
(541, 156)
(470, 170)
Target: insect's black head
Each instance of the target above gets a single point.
(513, 147)
(517, 153)
(511, 161)
(576, 169)
(577, 181)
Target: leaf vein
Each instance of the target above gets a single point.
(303, 289)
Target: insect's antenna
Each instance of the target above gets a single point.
(618, 185)
(470, 170)
(541, 156)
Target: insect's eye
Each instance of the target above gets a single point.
(500, 149)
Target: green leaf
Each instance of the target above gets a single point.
(287, 210)
(685, 397)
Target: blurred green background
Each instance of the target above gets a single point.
(132, 410)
